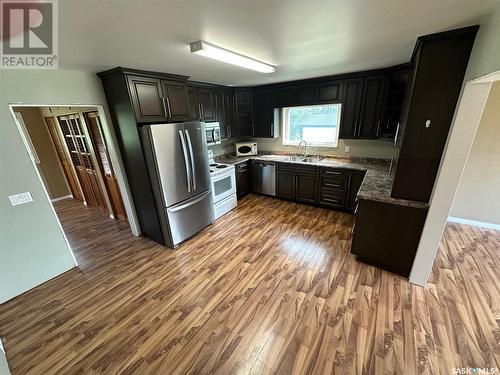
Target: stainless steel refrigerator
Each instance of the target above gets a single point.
(177, 160)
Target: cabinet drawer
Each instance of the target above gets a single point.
(299, 168)
(333, 183)
(331, 200)
(334, 172)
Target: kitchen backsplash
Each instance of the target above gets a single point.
(383, 149)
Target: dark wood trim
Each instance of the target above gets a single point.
(138, 72)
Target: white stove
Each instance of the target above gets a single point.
(223, 186)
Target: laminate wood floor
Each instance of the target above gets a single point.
(269, 288)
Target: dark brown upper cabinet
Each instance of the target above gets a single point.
(264, 119)
(230, 113)
(330, 92)
(353, 89)
(305, 95)
(362, 107)
(371, 107)
(147, 99)
(394, 100)
(439, 63)
(206, 99)
(156, 100)
(284, 97)
(175, 100)
(193, 103)
(244, 112)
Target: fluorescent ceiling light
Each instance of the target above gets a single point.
(209, 50)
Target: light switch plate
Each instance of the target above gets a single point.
(21, 198)
(347, 148)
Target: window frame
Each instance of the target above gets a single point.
(285, 115)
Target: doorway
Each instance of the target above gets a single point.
(70, 151)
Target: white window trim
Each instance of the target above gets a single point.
(285, 142)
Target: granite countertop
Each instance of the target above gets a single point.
(377, 184)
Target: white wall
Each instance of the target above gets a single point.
(478, 195)
(484, 60)
(32, 246)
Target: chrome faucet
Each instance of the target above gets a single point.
(305, 148)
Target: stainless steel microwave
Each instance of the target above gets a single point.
(245, 148)
(212, 132)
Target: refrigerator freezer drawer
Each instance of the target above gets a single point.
(189, 217)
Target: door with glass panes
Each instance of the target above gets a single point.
(78, 147)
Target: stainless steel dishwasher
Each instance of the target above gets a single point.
(264, 177)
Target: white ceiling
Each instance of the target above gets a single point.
(302, 38)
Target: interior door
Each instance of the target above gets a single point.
(94, 127)
(78, 147)
(171, 155)
(67, 167)
(196, 141)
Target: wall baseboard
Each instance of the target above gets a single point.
(475, 223)
(61, 198)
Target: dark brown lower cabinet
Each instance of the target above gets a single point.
(354, 183)
(386, 235)
(242, 181)
(306, 187)
(297, 182)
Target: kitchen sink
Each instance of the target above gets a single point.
(312, 159)
(294, 158)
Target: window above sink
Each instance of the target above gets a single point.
(318, 125)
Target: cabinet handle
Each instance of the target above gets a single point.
(378, 128)
(334, 185)
(332, 172)
(396, 136)
(164, 107)
(168, 107)
(202, 112)
(199, 111)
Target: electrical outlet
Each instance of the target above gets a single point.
(347, 148)
(21, 198)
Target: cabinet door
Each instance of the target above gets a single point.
(355, 180)
(286, 185)
(175, 95)
(193, 105)
(350, 108)
(206, 98)
(241, 180)
(263, 117)
(305, 95)
(306, 188)
(371, 108)
(284, 97)
(244, 113)
(330, 92)
(230, 113)
(220, 115)
(146, 96)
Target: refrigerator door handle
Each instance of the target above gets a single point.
(186, 164)
(193, 169)
(190, 203)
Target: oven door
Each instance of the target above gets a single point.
(223, 186)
